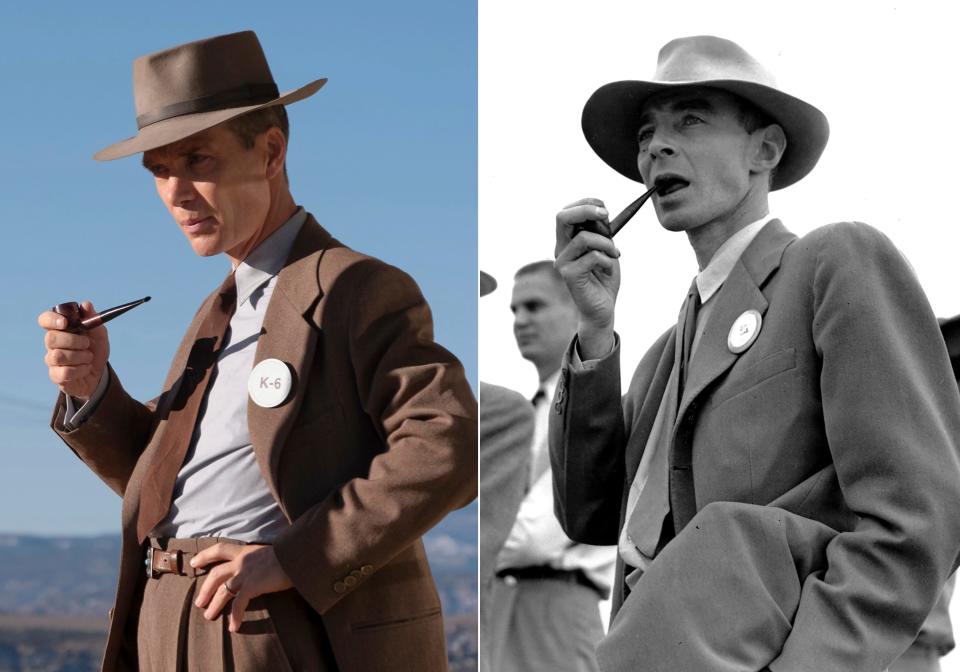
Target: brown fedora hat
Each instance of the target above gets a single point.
(195, 86)
(610, 116)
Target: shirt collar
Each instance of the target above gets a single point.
(710, 279)
(266, 260)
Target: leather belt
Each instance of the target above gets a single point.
(545, 572)
(170, 562)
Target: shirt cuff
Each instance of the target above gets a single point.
(578, 364)
(73, 417)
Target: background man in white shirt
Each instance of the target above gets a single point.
(546, 597)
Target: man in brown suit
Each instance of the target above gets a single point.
(782, 476)
(280, 531)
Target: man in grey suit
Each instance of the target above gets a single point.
(782, 476)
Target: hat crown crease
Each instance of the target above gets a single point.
(698, 59)
(610, 116)
(197, 70)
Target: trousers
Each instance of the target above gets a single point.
(280, 631)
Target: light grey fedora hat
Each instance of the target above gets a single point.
(192, 87)
(610, 117)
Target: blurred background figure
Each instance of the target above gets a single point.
(545, 600)
(506, 430)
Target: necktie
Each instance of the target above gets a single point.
(689, 329)
(157, 492)
(540, 461)
(652, 503)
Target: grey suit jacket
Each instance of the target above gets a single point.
(844, 411)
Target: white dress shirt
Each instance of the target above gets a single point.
(220, 490)
(536, 538)
(709, 281)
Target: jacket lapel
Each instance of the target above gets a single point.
(288, 334)
(740, 292)
(144, 465)
(643, 423)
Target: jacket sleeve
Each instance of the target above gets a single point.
(112, 438)
(587, 442)
(591, 427)
(416, 394)
(891, 413)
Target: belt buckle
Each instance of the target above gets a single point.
(149, 563)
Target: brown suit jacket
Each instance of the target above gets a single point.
(377, 443)
(844, 411)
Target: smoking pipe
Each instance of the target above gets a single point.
(77, 324)
(610, 229)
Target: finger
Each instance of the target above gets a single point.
(593, 263)
(51, 320)
(60, 357)
(569, 218)
(584, 242)
(220, 599)
(582, 271)
(216, 553)
(585, 201)
(581, 213)
(217, 576)
(68, 374)
(237, 609)
(64, 340)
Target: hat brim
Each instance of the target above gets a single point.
(610, 118)
(177, 128)
(487, 283)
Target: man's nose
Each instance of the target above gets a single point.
(661, 146)
(179, 191)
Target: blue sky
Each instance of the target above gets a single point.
(385, 157)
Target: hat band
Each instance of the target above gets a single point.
(249, 94)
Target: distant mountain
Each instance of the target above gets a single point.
(65, 576)
(452, 550)
(55, 593)
(76, 576)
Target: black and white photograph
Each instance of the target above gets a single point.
(722, 241)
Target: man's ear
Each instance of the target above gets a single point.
(276, 145)
(771, 144)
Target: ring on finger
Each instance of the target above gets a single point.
(233, 593)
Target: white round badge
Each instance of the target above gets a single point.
(744, 331)
(269, 383)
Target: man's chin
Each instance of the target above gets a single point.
(528, 350)
(674, 219)
(204, 247)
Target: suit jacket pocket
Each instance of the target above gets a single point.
(757, 373)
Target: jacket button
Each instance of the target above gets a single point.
(350, 581)
(356, 573)
(366, 570)
(339, 587)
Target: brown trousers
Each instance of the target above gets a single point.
(280, 631)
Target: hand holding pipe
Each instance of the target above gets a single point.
(610, 229)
